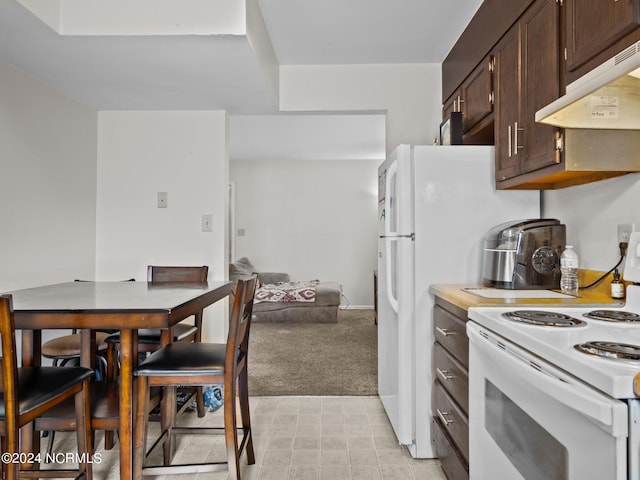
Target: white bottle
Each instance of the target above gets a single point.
(569, 270)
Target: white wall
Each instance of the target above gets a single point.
(47, 199)
(409, 94)
(183, 154)
(312, 219)
(592, 213)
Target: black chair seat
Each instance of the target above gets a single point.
(151, 336)
(37, 385)
(185, 359)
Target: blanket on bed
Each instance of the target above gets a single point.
(304, 291)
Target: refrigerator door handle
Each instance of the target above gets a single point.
(393, 301)
(390, 236)
(391, 173)
(412, 236)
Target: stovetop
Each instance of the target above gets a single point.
(570, 328)
(575, 334)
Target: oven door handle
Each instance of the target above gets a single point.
(608, 412)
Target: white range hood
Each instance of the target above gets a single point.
(608, 97)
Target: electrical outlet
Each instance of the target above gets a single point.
(624, 231)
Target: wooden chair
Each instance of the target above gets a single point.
(66, 350)
(150, 339)
(200, 364)
(28, 392)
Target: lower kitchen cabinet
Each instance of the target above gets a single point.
(451, 389)
(453, 464)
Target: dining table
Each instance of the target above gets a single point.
(123, 306)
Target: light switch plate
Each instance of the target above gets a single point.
(207, 223)
(163, 200)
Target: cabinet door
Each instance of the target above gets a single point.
(527, 78)
(540, 57)
(507, 107)
(477, 94)
(593, 25)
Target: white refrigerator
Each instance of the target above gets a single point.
(435, 204)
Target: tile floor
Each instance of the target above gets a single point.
(302, 438)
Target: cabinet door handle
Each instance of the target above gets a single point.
(443, 417)
(445, 374)
(446, 332)
(515, 138)
(509, 140)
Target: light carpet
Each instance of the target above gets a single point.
(315, 359)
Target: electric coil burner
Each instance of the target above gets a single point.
(613, 316)
(543, 318)
(614, 350)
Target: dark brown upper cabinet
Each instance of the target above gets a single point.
(527, 78)
(475, 99)
(594, 30)
(535, 48)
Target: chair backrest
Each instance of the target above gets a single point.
(157, 274)
(239, 325)
(9, 369)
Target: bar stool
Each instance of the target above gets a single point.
(30, 392)
(66, 350)
(149, 339)
(200, 364)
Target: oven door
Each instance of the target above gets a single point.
(529, 420)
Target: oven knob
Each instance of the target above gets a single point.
(544, 260)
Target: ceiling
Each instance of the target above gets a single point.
(317, 32)
(193, 72)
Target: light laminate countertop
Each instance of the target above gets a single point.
(598, 296)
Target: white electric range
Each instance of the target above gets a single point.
(552, 389)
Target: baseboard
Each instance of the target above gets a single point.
(356, 307)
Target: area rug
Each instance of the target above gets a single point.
(315, 359)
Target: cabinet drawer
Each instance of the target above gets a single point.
(452, 419)
(455, 467)
(453, 376)
(450, 332)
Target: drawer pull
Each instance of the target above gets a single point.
(445, 331)
(445, 374)
(443, 417)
